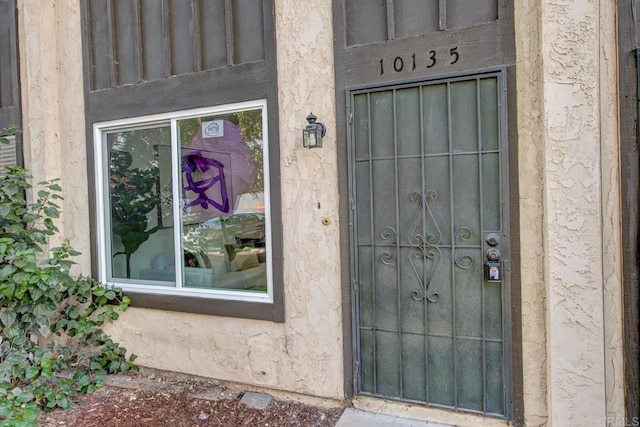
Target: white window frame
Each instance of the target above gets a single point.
(100, 131)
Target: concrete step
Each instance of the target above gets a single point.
(356, 418)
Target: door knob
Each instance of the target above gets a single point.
(493, 254)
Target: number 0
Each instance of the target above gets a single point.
(398, 64)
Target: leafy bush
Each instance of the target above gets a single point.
(52, 346)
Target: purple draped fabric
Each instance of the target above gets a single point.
(215, 172)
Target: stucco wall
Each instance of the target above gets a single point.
(611, 214)
(53, 111)
(530, 165)
(304, 354)
(569, 181)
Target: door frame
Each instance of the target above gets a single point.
(629, 89)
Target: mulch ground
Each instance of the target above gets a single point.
(161, 402)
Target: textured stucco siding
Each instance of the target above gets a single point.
(530, 167)
(569, 191)
(611, 214)
(51, 76)
(573, 212)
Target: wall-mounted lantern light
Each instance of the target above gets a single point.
(312, 133)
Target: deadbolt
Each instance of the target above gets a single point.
(493, 239)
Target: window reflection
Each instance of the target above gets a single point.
(220, 221)
(223, 215)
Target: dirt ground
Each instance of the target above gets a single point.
(138, 400)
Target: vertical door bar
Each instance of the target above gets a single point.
(453, 248)
(372, 247)
(504, 224)
(481, 210)
(355, 258)
(425, 301)
(397, 202)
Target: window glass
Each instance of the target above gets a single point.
(223, 214)
(185, 207)
(137, 234)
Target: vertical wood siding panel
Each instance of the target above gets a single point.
(213, 45)
(628, 36)
(197, 37)
(138, 35)
(228, 22)
(442, 12)
(366, 21)
(153, 50)
(181, 30)
(113, 46)
(460, 15)
(6, 65)
(248, 31)
(126, 37)
(415, 17)
(100, 53)
(391, 21)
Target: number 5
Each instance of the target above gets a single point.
(454, 53)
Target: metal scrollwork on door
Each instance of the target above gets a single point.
(426, 252)
(387, 234)
(464, 261)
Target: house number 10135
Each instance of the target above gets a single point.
(430, 59)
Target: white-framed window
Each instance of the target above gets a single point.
(183, 203)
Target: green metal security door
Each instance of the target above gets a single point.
(428, 189)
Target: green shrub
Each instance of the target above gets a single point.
(52, 346)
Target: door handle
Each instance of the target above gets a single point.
(493, 254)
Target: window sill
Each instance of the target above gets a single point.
(273, 311)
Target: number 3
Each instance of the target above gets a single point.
(432, 58)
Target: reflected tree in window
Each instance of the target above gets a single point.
(133, 197)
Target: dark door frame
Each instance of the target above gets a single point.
(628, 59)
